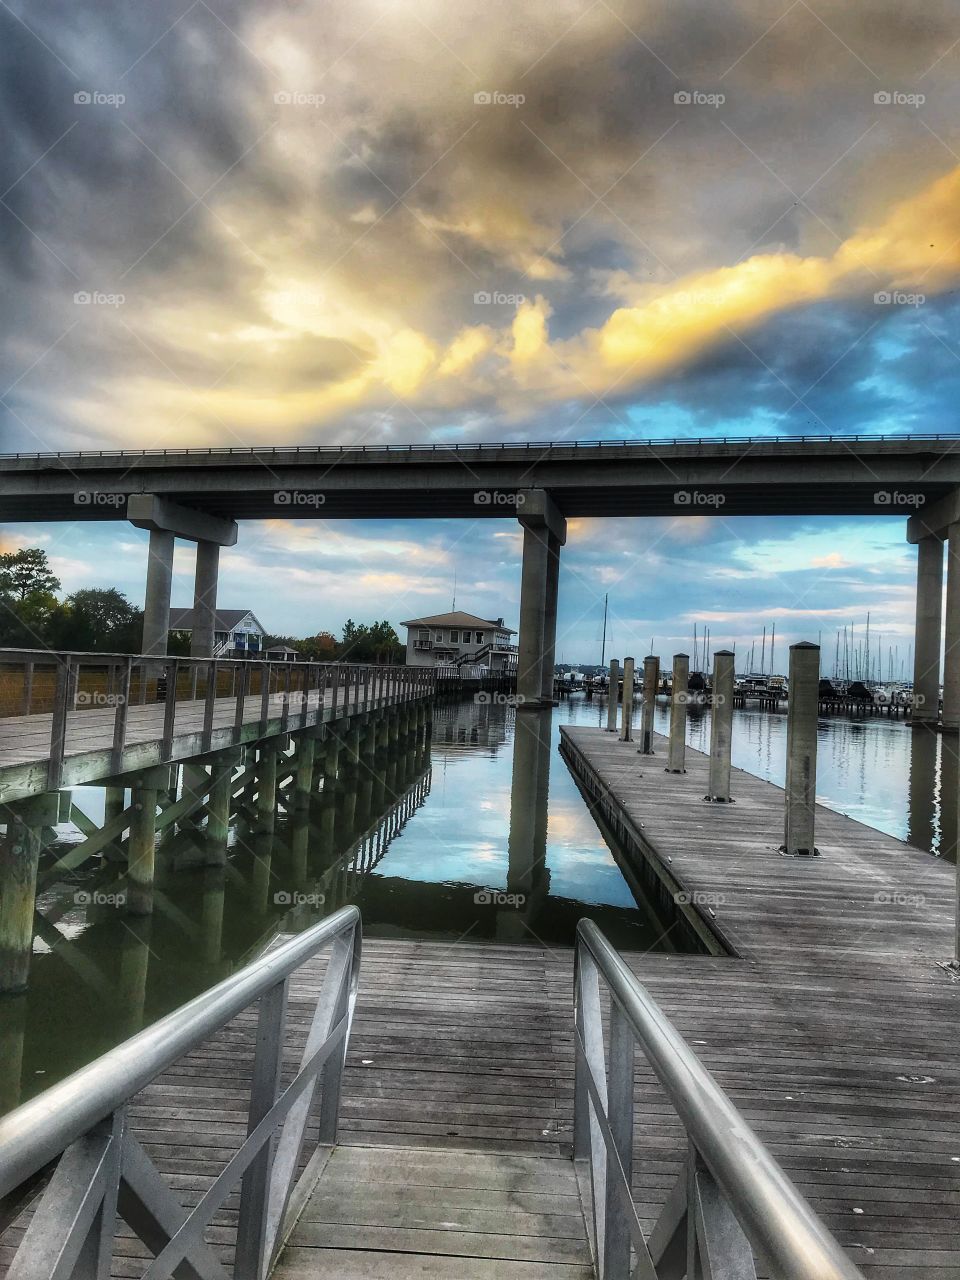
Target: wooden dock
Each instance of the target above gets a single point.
(834, 1028)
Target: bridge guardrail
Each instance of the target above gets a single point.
(103, 1171)
(732, 1203)
(273, 451)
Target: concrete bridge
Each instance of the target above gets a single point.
(200, 494)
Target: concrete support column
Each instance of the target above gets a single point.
(205, 599)
(676, 760)
(951, 655)
(626, 722)
(926, 648)
(142, 845)
(19, 858)
(721, 725)
(533, 603)
(550, 619)
(613, 694)
(800, 792)
(651, 679)
(156, 609)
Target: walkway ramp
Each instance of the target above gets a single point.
(398, 1213)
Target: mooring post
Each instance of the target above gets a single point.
(721, 726)
(19, 859)
(651, 679)
(800, 791)
(613, 693)
(679, 692)
(626, 723)
(142, 845)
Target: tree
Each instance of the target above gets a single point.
(376, 643)
(102, 620)
(26, 572)
(27, 599)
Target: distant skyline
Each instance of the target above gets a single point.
(255, 223)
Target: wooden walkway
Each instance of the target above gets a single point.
(25, 740)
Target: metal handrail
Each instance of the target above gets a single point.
(498, 446)
(89, 1106)
(732, 1202)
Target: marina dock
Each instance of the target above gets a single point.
(833, 1025)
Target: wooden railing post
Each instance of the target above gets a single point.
(63, 700)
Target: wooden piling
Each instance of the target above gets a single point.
(19, 859)
(267, 786)
(142, 847)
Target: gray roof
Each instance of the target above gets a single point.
(224, 619)
(458, 619)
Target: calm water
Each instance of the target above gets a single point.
(480, 835)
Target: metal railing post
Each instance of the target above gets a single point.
(265, 1086)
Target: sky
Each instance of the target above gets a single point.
(227, 222)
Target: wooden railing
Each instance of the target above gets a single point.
(63, 684)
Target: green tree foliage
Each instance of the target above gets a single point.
(27, 598)
(376, 643)
(98, 620)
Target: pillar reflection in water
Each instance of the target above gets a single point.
(134, 967)
(527, 874)
(922, 805)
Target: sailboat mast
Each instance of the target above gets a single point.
(603, 643)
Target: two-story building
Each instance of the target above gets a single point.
(237, 632)
(450, 639)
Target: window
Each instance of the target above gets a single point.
(479, 636)
(454, 637)
(439, 637)
(423, 634)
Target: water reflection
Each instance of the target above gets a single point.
(473, 830)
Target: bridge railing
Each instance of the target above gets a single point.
(732, 1205)
(206, 697)
(274, 451)
(102, 1171)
